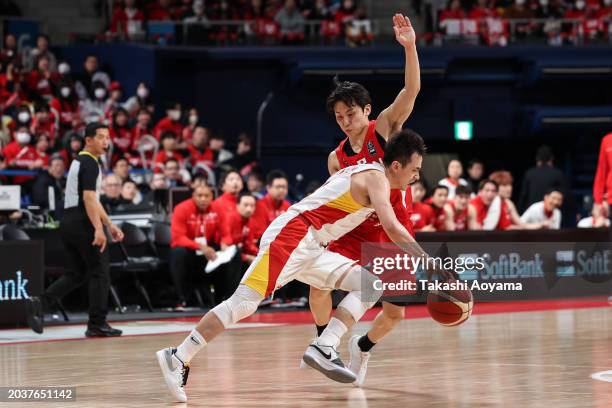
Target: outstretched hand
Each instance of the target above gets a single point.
(404, 33)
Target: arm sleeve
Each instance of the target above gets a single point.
(601, 175)
(89, 174)
(178, 230)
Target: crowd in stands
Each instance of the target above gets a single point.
(231, 22)
(556, 21)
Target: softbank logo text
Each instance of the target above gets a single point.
(14, 289)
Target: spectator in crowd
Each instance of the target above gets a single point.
(240, 227)
(196, 231)
(291, 23)
(130, 193)
(41, 49)
(345, 12)
(443, 217)
(199, 152)
(121, 169)
(231, 186)
(20, 155)
(63, 73)
(548, 9)
(94, 109)
(161, 10)
(540, 178)
(42, 147)
(192, 124)
(273, 204)
(197, 24)
(168, 151)
(74, 144)
(156, 198)
(520, 11)
(66, 106)
(197, 179)
(490, 210)
(120, 133)
(48, 189)
(115, 94)
(459, 210)
(546, 213)
(475, 169)
(143, 127)
(172, 122)
(422, 215)
(217, 145)
(85, 82)
(9, 52)
(172, 171)
(23, 117)
(453, 177)
(317, 10)
(111, 198)
(43, 123)
(40, 80)
(602, 185)
(482, 9)
(142, 100)
(127, 21)
(504, 182)
(244, 159)
(453, 11)
(255, 184)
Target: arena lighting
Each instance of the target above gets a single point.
(464, 130)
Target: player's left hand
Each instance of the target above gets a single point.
(404, 33)
(116, 233)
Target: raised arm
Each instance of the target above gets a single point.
(333, 165)
(393, 117)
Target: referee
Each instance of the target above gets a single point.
(82, 233)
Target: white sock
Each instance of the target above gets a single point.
(333, 333)
(190, 346)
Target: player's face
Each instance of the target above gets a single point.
(488, 193)
(439, 197)
(246, 206)
(461, 201)
(279, 188)
(202, 197)
(351, 119)
(455, 169)
(233, 184)
(505, 190)
(553, 200)
(409, 173)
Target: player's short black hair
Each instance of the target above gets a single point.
(92, 128)
(245, 194)
(463, 190)
(226, 174)
(172, 159)
(275, 174)
(402, 145)
(421, 182)
(121, 158)
(351, 93)
(484, 182)
(167, 134)
(544, 154)
(551, 190)
(473, 162)
(439, 187)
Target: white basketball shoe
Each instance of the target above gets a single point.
(359, 360)
(175, 373)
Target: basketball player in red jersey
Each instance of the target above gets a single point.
(443, 218)
(460, 210)
(350, 103)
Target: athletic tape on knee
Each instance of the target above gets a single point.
(241, 304)
(352, 303)
(359, 279)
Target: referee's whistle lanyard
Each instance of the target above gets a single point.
(86, 153)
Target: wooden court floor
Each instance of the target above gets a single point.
(533, 359)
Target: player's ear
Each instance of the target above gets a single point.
(367, 109)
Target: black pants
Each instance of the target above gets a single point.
(85, 263)
(187, 269)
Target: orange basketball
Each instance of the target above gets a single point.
(450, 307)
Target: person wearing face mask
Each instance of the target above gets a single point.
(93, 110)
(21, 155)
(171, 122)
(43, 123)
(22, 118)
(142, 100)
(66, 105)
(192, 123)
(86, 82)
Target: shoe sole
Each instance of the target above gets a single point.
(161, 360)
(34, 313)
(327, 368)
(102, 335)
(356, 383)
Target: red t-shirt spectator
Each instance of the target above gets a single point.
(39, 83)
(225, 203)
(168, 124)
(505, 219)
(241, 233)
(439, 222)
(163, 156)
(459, 217)
(122, 138)
(266, 211)
(452, 15)
(203, 156)
(68, 111)
(603, 175)
(48, 127)
(189, 223)
(127, 21)
(20, 158)
(422, 216)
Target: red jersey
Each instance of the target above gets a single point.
(505, 220)
(603, 176)
(68, 111)
(242, 234)
(121, 137)
(459, 217)
(200, 156)
(422, 215)
(266, 211)
(439, 222)
(168, 124)
(225, 203)
(370, 230)
(161, 158)
(20, 158)
(189, 223)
